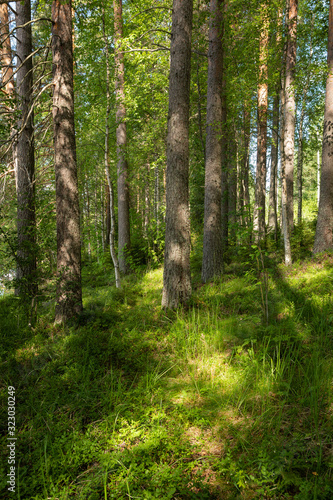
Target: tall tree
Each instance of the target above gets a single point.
(289, 111)
(124, 240)
(272, 212)
(260, 189)
(212, 262)
(285, 227)
(69, 292)
(177, 276)
(324, 229)
(25, 175)
(7, 74)
(6, 52)
(110, 199)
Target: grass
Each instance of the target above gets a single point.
(216, 401)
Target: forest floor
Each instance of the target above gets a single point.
(228, 399)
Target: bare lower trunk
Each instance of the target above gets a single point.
(107, 216)
(232, 186)
(112, 222)
(289, 112)
(26, 223)
(177, 276)
(272, 212)
(69, 293)
(212, 263)
(300, 171)
(260, 189)
(124, 241)
(224, 163)
(244, 166)
(324, 235)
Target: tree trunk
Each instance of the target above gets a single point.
(177, 276)
(212, 263)
(244, 165)
(108, 215)
(300, 139)
(272, 211)
(289, 112)
(300, 168)
(6, 55)
(224, 155)
(8, 79)
(323, 238)
(232, 184)
(111, 223)
(260, 189)
(69, 292)
(147, 201)
(26, 223)
(124, 240)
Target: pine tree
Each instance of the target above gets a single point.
(212, 262)
(324, 229)
(177, 276)
(69, 293)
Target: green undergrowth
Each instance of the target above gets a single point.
(230, 398)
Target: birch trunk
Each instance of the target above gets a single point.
(112, 222)
(124, 240)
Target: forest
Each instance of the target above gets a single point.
(166, 249)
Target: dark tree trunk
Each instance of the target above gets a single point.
(124, 239)
(324, 238)
(289, 113)
(69, 293)
(177, 276)
(26, 224)
(212, 263)
(224, 158)
(260, 190)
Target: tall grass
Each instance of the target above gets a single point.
(227, 399)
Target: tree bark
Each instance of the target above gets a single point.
(108, 215)
(232, 184)
(212, 263)
(289, 112)
(324, 238)
(8, 79)
(69, 292)
(177, 276)
(124, 239)
(260, 189)
(224, 153)
(25, 175)
(6, 53)
(272, 211)
(244, 193)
